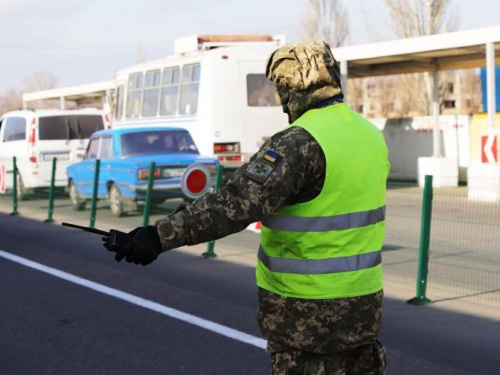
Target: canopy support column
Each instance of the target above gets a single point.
(343, 77)
(436, 135)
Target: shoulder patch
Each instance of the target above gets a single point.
(262, 168)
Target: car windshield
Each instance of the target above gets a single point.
(157, 142)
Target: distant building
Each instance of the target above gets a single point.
(410, 95)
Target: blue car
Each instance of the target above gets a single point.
(125, 156)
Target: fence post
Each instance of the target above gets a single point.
(423, 256)
(211, 244)
(94, 193)
(147, 203)
(14, 187)
(51, 193)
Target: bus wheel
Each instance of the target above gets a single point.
(77, 203)
(116, 201)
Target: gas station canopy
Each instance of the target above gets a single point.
(456, 50)
(94, 90)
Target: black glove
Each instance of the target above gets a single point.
(146, 246)
(120, 242)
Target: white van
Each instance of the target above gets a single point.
(36, 137)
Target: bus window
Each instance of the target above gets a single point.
(135, 84)
(151, 94)
(189, 89)
(119, 102)
(170, 92)
(261, 91)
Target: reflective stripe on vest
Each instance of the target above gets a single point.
(325, 223)
(320, 266)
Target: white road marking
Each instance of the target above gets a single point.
(147, 304)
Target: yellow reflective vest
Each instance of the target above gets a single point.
(330, 247)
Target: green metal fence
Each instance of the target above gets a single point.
(464, 246)
(462, 250)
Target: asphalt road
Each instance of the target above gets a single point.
(74, 310)
(50, 325)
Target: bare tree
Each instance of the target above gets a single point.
(40, 80)
(470, 86)
(10, 100)
(141, 55)
(419, 18)
(326, 20)
(356, 90)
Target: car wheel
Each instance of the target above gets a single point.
(22, 192)
(77, 203)
(116, 201)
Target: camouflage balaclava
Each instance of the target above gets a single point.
(304, 75)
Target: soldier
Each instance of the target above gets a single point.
(319, 189)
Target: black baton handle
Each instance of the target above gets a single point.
(87, 229)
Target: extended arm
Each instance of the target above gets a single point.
(258, 189)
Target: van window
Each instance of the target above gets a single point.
(69, 126)
(261, 91)
(15, 129)
(190, 85)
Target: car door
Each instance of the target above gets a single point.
(83, 173)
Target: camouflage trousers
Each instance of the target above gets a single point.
(323, 337)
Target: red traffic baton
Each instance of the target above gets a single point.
(196, 181)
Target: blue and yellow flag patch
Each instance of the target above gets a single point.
(271, 156)
(262, 167)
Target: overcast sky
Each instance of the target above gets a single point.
(85, 41)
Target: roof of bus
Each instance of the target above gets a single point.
(54, 112)
(261, 51)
